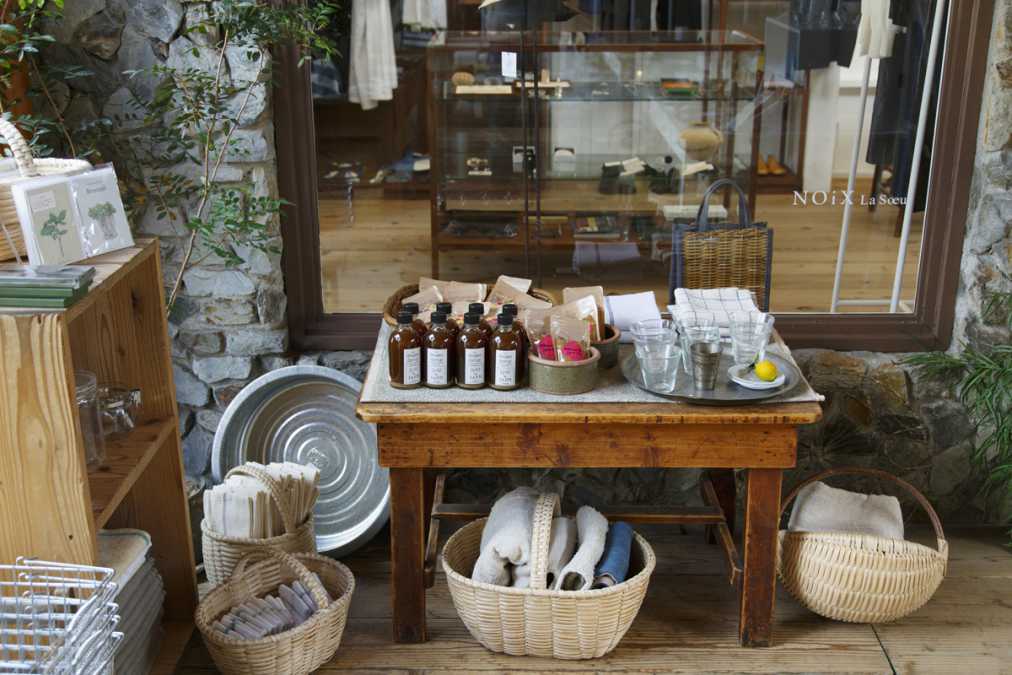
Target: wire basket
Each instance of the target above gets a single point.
(57, 618)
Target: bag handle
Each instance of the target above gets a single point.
(293, 563)
(545, 510)
(876, 473)
(287, 517)
(19, 148)
(703, 215)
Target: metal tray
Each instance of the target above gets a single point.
(306, 414)
(726, 392)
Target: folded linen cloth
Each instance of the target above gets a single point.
(506, 539)
(822, 508)
(561, 545)
(718, 304)
(614, 565)
(578, 574)
(625, 310)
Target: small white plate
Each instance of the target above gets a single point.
(746, 377)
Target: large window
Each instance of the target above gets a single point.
(573, 143)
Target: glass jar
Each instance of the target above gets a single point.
(89, 412)
(120, 406)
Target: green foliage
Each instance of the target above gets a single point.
(54, 227)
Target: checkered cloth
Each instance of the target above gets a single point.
(717, 304)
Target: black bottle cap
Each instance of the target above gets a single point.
(510, 308)
(505, 319)
(444, 307)
(410, 307)
(472, 319)
(476, 308)
(438, 318)
(405, 317)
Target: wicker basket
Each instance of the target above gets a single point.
(221, 553)
(300, 650)
(539, 622)
(857, 577)
(28, 167)
(393, 303)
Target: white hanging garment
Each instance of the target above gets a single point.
(876, 32)
(373, 68)
(425, 13)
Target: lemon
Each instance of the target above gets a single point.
(766, 371)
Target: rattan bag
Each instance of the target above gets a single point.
(221, 553)
(858, 577)
(535, 621)
(12, 242)
(295, 652)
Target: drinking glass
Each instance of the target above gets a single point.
(657, 352)
(750, 334)
(691, 331)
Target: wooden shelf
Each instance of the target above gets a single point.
(126, 459)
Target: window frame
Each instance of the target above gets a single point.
(927, 328)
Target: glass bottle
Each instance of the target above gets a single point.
(451, 323)
(439, 352)
(518, 326)
(506, 355)
(416, 322)
(90, 414)
(405, 354)
(479, 309)
(471, 346)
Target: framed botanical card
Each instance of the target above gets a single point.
(104, 224)
(49, 221)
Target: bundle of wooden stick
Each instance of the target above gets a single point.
(259, 617)
(242, 505)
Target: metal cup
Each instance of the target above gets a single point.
(705, 364)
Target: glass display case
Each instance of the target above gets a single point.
(575, 151)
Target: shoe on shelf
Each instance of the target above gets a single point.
(761, 167)
(774, 166)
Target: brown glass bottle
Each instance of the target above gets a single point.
(479, 309)
(471, 348)
(405, 354)
(416, 322)
(439, 354)
(518, 326)
(451, 323)
(506, 355)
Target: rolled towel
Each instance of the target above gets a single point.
(506, 539)
(822, 508)
(560, 551)
(578, 574)
(614, 565)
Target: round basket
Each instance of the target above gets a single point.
(535, 621)
(12, 243)
(858, 577)
(295, 652)
(393, 303)
(222, 554)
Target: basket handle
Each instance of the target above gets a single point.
(292, 562)
(876, 473)
(545, 510)
(287, 517)
(19, 148)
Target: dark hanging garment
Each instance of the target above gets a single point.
(685, 14)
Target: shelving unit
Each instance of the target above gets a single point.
(53, 506)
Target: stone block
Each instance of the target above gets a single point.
(159, 19)
(224, 392)
(887, 389)
(254, 341)
(830, 371)
(271, 306)
(199, 28)
(946, 422)
(209, 419)
(202, 282)
(260, 262)
(309, 359)
(201, 343)
(950, 469)
(213, 369)
(270, 362)
(185, 55)
(100, 34)
(221, 312)
(124, 110)
(189, 389)
(248, 108)
(244, 62)
(185, 421)
(136, 52)
(354, 363)
(197, 448)
(251, 145)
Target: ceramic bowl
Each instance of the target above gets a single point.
(564, 378)
(609, 347)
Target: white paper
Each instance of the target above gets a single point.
(437, 367)
(509, 64)
(474, 366)
(413, 365)
(49, 220)
(505, 368)
(104, 224)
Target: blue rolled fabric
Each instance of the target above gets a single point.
(614, 564)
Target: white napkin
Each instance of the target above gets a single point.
(822, 508)
(578, 573)
(717, 304)
(625, 310)
(506, 539)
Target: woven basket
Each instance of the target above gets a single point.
(393, 303)
(858, 577)
(221, 553)
(300, 650)
(539, 622)
(28, 167)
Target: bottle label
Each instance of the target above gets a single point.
(413, 365)
(505, 368)
(474, 366)
(436, 370)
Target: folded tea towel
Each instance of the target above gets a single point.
(717, 304)
(561, 545)
(625, 310)
(578, 574)
(821, 508)
(614, 565)
(506, 539)
(373, 65)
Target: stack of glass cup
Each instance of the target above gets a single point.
(750, 333)
(658, 353)
(701, 350)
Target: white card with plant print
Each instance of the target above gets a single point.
(49, 220)
(104, 225)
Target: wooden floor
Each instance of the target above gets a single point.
(688, 624)
(386, 245)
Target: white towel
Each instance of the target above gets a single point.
(578, 574)
(822, 508)
(625, 310)
(425, 13)
(717, 304)
(561, 545)
(506, 539)
(373, 67)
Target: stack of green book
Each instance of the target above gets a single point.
(43, 286)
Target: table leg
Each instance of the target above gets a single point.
(407, 552)
(762, 514)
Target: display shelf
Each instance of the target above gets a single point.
(583, 92)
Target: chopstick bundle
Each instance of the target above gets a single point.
(270, 615)
(242, 505)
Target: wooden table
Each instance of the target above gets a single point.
(415, 438)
